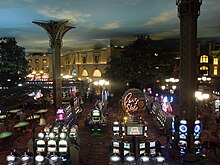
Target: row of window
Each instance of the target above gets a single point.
(205, 70)
(205, 59)
(37, 60)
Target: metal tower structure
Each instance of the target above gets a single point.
(55, 31)
(188, 13)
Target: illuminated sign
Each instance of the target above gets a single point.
(133, 101)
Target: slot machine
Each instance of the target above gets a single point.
(182, 136)
(10, 159)
(25, 158)
(96, 116)
(127, 148)
(152, 148)
(129, 158)
(145, 131)
(63, 147)
(41, 146)
(116, 147)
(54, 159)
(73, 132)
(51, 144)
(197, 133)
(116, 128)
(122, 129)
(173, 129)
(142, 148)
(39, 159)
(60, 116)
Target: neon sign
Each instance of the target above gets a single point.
(130, 104)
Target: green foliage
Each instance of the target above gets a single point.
(143, 62)
(13, 64)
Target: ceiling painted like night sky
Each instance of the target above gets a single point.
(99, 21)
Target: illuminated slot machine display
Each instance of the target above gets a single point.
(154, 109)
(39, 159)
(73, 132)
(54, 159)
(63, 147)
(96, 116)
(47, 130)
(60, 115)
(122, 129)
(217, 103)
(142, 148)
(161, 118)
(152, 148)
(116, 128)
(127, 147)
(25, 158)
(173, 129)
(40, 143)
(65, 128)
(116, 147)
(10, 159)
(197, 133)
(145, 131)
(183, 136)
(135, 130)
(51, 144)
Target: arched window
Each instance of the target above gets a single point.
(85, 73)
(97, 73)
(204, 59)
(204, 70)
(74, 72)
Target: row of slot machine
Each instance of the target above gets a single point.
(160, 115)
(27, 158)
(142, 147)
(180, 132)
(131, 139)
(58, 139)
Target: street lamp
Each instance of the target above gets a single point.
(101, 84)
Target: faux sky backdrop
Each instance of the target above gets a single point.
(98, 21)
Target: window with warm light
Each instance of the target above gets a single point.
(36, 60)
(44, 60)
(215, 70)
(204, 70)
(204, 59)
(97, 73)
(215, 61)
(85, 73)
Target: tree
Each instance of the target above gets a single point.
(143, 62)
(13, 65)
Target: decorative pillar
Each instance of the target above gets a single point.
(55, 31)
(188, 13)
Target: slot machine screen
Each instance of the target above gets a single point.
(152, 144)
(153, 151)
(115, 144)
(142, 152)
(182, 136)
(142, 145)
(127, 146)
(115, 128)
(116, 150)
(60, 114)
(126, 152)
(95, 113)
(135, 130)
